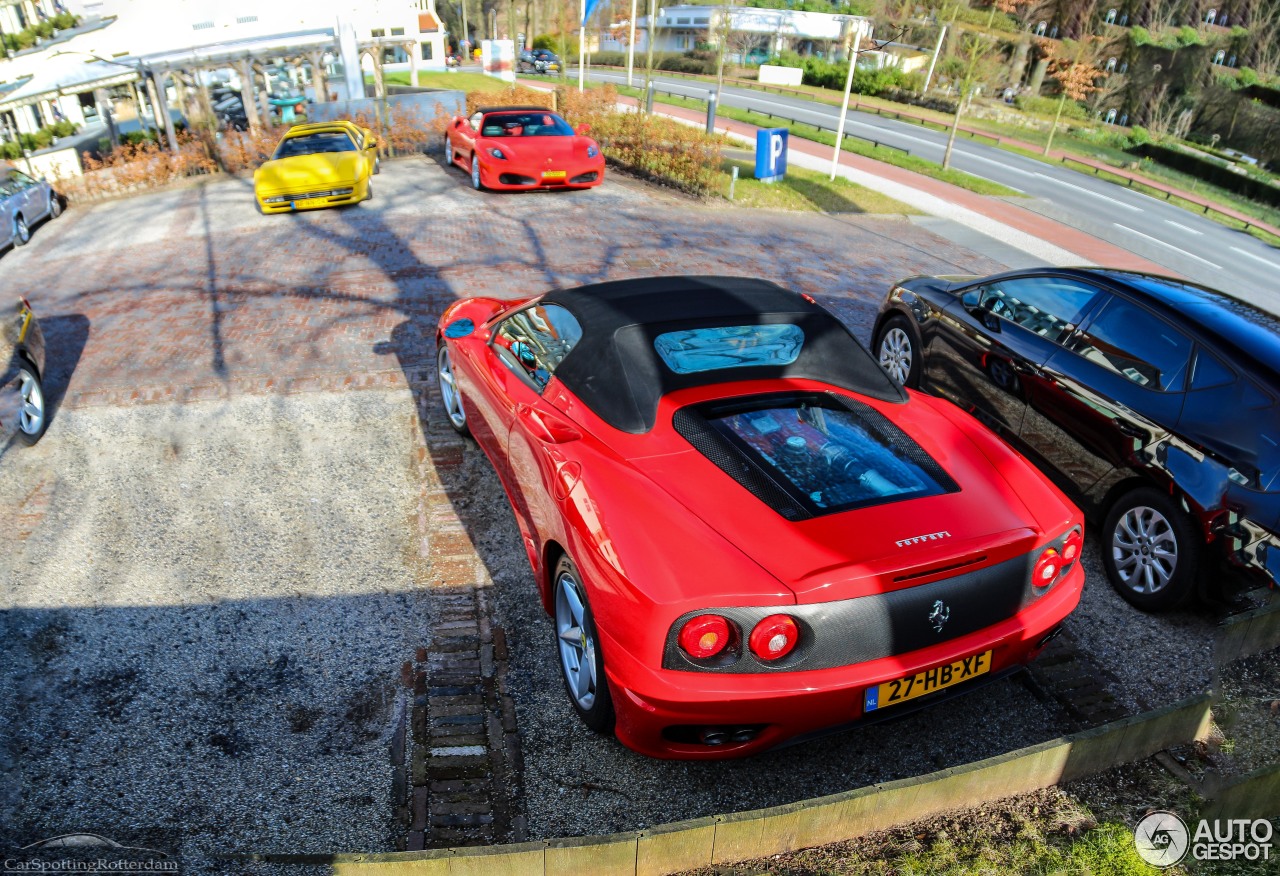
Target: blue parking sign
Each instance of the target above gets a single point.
(771, 154)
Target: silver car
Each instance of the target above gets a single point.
(24, 202)
(23, 410)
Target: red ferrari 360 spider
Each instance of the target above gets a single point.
(523, 147)
(746, 532)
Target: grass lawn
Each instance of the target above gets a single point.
(806, 190)
(452, 81)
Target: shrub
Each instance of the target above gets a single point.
(133, 167)
(660, 149)
(1138, 136)
(516, 95)
(613, 59)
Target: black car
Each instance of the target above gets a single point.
(1150, 401)
(538, 61)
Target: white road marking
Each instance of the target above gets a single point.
(1002, 164)
(1159, 242)
(1255, 257)
(1091, 192)
(1184, 228)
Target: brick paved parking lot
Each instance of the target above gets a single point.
(242, 553)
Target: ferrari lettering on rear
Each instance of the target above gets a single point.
(932, 536)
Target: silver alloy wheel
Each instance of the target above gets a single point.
(31, 415)
(895, 355)
(577, 648)
(21, 233)
(55, 207)
(449, 390)
(475, 172)
(1145, 550)
(448, 150)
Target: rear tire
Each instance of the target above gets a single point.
(21, 233)
(1150, 550)
(55, 206)
(578, 646)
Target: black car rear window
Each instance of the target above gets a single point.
(308, 144)
(813, 454)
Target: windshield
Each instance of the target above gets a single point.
(532, 124)
(309, 144)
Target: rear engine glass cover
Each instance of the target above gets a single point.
(823, 452)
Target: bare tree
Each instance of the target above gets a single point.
(976, 55)
(1264, 45)
(1075, 72)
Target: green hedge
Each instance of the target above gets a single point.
(1048, 106)
(1210, 172)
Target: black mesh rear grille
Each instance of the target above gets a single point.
(736, 465)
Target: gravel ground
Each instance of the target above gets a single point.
(200, 644)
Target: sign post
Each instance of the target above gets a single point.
(771, 154)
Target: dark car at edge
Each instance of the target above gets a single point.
(1151, 401)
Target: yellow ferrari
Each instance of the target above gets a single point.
(318, 165)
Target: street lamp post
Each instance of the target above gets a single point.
(844, 107)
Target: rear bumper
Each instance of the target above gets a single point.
(661, 712)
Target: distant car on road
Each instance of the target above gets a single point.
(325, 164)
(1153, 402)
(538, 61)
(24, 201)
(744, 530)
(22, 402)
(523, 147)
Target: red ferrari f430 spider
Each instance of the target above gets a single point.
(523, 147)
(747, 534)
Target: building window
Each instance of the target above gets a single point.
(377, 32)
(397, 31)
(202, 25)
(683, 20)
(426, 51)
(246, 19)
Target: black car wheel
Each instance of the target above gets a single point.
(898, 351)
(581, 662)
(1150, 550)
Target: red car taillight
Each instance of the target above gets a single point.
(1047, 568)
(774, 637)
(705, 636)
(1071, 547)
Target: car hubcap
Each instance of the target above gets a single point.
(1145, 550)
(449, 392)
(20, 229)
(55, 208)
(31, 416)
(475, 172)
(577, 649)
(448, 149)
(895, 355)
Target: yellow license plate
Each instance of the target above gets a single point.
(310, 202)
(553, 174)
(902, 689)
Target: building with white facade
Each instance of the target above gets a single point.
(683, 28)
(145, 49)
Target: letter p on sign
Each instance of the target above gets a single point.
(771, 154)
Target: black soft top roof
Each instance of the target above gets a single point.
(616, 371)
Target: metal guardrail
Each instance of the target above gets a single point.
(791, 120)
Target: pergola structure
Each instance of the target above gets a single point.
(74, 73)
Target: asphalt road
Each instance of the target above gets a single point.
(1192, 246)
